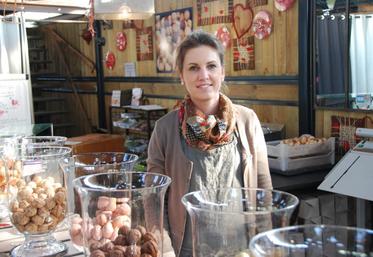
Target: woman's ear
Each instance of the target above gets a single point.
(181, 80)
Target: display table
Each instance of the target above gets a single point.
(10, 238)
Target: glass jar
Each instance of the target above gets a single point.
(8, 144)
(37, 198)
(122, 213)
(88, 164)
(224, 220)
(313, 240)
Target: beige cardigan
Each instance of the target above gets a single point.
(166, 156)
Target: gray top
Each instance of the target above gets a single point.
(216, 168)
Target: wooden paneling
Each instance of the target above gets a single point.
(275, 56)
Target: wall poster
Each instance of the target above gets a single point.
(170, 29)
(243, 53)
(144, 44)
(14, 102)
(214, 12)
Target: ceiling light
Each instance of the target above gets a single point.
(123, 9)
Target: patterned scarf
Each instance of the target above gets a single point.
(207, 131)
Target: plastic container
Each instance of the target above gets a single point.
(313, 241)
(224, 220)
(277, 149)
(122, 213)
(37, 198)
(293, 164)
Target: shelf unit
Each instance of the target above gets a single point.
(136, 123)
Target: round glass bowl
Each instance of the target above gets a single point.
(314, 240)
(122, 214)
(44, 140)
(224, 220)
(37, 198)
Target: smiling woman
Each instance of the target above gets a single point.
(208, 142)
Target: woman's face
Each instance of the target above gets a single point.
(202, 73)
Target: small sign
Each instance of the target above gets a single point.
(363, 101)
(115, 98)
(130, 69)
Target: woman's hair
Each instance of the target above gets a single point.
(196, 39)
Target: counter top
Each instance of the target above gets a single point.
(301, 181)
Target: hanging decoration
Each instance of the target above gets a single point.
(262, 24)
(144, 44)
(91, 18)
(283, 5)
(121, 41)
(214, 12)
(87, 35)
(170, 30)
(243, 54)
(224, 36)
(242, 19)
(110, 60)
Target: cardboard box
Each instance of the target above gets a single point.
(327, 208)
(96, 143)
(309, 208)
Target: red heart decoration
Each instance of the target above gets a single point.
(242, 19)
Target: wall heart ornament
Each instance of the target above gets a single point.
(121, 41)
(110, 60)
(242, 19)
(283, 5)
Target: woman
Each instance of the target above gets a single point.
(209, 142)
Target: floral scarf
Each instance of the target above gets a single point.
(207, 131)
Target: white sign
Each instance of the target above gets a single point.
(130, 69)
(115, 98)
(14, 102)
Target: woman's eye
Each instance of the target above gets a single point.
(193, 68)
(211, 66)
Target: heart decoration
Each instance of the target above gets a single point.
(283, 5)
(121, 41)
(110, 60)
(242, 19)
(224, 37)
(262, 24)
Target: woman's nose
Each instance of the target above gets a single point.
(203, 73)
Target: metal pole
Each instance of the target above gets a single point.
(99, 42)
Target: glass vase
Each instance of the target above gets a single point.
(224, 220)
(313, 240)
(37, 198)
(122, 213)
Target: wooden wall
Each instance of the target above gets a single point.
(274, 56)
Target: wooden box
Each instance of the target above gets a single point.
(96, 143)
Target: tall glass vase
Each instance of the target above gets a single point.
(37, 198)
(224, 220)
(122, 213)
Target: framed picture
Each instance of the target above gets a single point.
(144, 44)
(214, 12)
(244, 53)
(170, 29)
